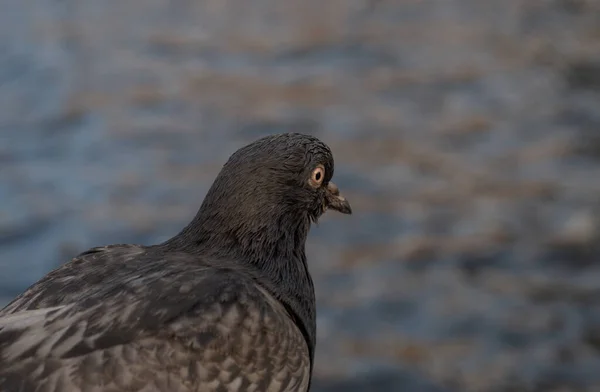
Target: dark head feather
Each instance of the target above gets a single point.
(260, 206)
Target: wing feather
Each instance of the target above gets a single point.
(149, 325)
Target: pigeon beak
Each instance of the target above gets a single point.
(335, 201)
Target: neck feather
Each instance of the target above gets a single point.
(275, 245)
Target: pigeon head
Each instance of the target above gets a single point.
(289, 173)
(265, 197)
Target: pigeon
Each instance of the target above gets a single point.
(226, 305)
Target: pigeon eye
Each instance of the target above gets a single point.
(316, 179)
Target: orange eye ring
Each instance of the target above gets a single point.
(317, 176)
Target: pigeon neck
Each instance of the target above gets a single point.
(258, 241)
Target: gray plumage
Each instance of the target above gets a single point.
(226, 305)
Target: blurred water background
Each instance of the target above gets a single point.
(466, 135)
